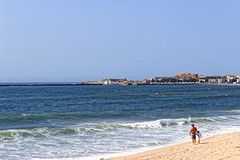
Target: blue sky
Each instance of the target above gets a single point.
(79, 40)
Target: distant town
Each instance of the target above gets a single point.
(178, 79)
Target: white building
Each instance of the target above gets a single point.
(221, 80)
(212, 80)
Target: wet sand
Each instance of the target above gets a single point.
(220, 147)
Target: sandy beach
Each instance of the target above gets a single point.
(219, 147)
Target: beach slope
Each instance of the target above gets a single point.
(219, 147)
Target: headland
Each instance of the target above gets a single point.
(178, 79)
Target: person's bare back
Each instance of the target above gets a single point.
(193, 132)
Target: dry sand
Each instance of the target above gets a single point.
(220, 147)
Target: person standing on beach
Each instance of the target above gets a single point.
(193, 132)
(199, 135)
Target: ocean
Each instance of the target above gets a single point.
(93, 122)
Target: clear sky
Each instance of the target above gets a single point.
(79, 40)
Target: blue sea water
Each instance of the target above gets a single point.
(93, 122)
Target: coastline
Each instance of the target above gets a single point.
(141, 119)
(219, 147)
(80, 84)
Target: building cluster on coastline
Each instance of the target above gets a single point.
(192, 78)
(183, 78)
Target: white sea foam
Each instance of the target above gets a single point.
(157, 124)
(206, 133)
(121, 139)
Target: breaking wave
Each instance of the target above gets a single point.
(162, 123)
(103, 127)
